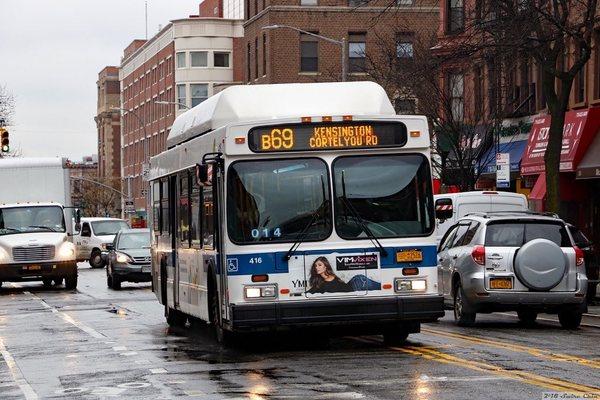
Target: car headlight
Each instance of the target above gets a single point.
(410, 285)
(67, 251)
(4, 256)
(260, 292)
(123, 258)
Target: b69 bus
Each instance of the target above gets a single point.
(296, 205)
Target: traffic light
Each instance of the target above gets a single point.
(5, 140)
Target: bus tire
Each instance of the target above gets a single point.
(175, 318)
(71, 282)
(223, 336)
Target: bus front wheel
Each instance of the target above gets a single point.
(223, 336)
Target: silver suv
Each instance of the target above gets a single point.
(512, 261)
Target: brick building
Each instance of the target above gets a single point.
(108, 122)
(182, 64)
(285, 55)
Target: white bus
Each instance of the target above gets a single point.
(296, 205)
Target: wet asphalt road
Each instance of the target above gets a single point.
(95, 343)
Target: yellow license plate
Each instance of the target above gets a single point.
(409, 256)
(500, 283)
(35, 267)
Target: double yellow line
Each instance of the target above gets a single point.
(544, 354)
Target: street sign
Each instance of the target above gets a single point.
(129, 207)
(502, 170)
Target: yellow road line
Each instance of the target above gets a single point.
(554, 384)
(545, 354)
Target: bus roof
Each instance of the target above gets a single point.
(246, 103)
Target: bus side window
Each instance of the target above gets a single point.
(164, 208)
(208, 225)
(195, 200)
(184, 210)
(156, 207)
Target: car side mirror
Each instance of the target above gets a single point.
(443, 209)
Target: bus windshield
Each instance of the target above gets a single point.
(31, 219)
(278, 201)
(390, 195)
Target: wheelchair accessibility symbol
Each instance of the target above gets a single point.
(232, 265)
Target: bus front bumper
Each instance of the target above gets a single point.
(365, 311)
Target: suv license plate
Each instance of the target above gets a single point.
(146, 268)
(500, 283)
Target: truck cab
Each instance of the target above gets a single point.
(92, 236)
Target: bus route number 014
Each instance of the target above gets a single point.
(277, 139)
(265, 233)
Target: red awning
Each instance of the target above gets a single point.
(538, 193)
(578, 133)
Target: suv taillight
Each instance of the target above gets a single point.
(478, 254)
(579, 256)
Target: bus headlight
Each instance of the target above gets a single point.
(67, 251)
(410, 285)
(260, 292)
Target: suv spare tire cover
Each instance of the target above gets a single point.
(540, 264)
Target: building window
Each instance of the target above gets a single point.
(248, 72)
(181, 97)
(256, 58)
(404, 2)
(455, 91)
(181, 60)
(455, 15)
(264, 55)
(199, 59)
(199, 92)
(309, 53)
(580, 82)
(478, 92)
(308, 2)
(356, 52)
(221, 59)
(357, 3)
(404, 48)
(597, 66)
(405, 106)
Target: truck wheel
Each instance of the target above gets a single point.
(71, 282)
(569, 319)
(461, 317)
(47, 282)
(96, 260)
(58, 281)
(1, 284)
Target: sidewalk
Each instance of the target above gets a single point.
(594, 309)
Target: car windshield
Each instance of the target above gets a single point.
(389, 194)
(517, 233)
(278, 200)
(138, 240)
(31, 219)
(108, 227)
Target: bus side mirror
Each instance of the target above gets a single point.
(443, 209)
(204, 174)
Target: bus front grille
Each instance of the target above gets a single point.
(34, 253)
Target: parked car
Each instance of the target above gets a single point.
(512, 261)
(592, 268)
(450, 207)
(129, 258)
(93, 235)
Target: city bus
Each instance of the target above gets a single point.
(292, 206)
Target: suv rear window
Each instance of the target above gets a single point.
(516, 234)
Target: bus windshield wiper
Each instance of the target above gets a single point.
(300, 238)
(42, 227)
(360, 220)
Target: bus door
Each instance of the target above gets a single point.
(218, 205)
(174, 192)
(334, 274)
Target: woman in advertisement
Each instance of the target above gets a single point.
(324, 280)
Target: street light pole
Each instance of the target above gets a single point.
(341, 43)
(173, 103)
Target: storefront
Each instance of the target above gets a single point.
(487, 178)
(588, 173)
(579, 131)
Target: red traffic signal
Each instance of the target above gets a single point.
(4, 140)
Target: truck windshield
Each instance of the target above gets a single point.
(390, 195)
(31, 219)
(278, 201)
(108, 227)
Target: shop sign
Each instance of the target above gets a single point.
(503, 170)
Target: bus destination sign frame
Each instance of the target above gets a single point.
(343, 135)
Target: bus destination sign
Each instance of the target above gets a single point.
(327, 136)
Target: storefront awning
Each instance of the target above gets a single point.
(589, 167)
(578, 132)
(515, 149)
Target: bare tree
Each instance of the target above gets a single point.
(557, 35)
(7, 106)
(97, 200)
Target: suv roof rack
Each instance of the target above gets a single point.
(488, 214)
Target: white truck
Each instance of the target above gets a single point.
(93, 236)
(35, 222)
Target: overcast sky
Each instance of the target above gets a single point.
(50, 54)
